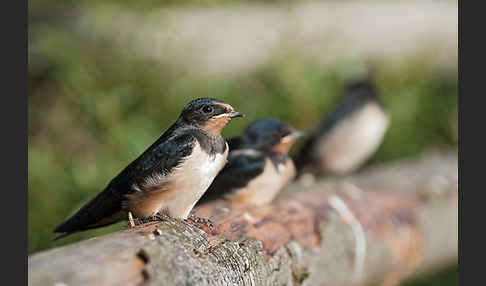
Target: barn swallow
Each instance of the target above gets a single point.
(345, 139)
(169, 177)
(258, 165)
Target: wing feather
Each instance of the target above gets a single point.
(144, 173)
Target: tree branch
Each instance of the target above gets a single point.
(376, 227)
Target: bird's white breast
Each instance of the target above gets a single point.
(263, 189)
(353, 139)
(192, 178)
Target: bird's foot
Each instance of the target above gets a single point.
(156, 217)
(161, 216)
(197, 220)
(131, 222)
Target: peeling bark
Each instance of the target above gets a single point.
(360, 230)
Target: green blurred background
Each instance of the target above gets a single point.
(95, 105)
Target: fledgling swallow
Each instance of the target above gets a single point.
(258, 165)
(349, 136)
(170, 176)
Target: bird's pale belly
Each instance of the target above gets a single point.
(266, 186)
(185, 186)
(352, 141)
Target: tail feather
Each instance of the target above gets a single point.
(102, 210)
(61, 236)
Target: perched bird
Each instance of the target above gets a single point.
(345, 139)
(258, 165)
(169, 177)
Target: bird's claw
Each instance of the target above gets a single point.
(161, 216)
(131, 222)
(196, 219)
(156, 217)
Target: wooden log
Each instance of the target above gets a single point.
(360, 230)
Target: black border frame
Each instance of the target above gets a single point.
(14, 120)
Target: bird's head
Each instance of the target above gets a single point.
(362, 91)
(270, 135)
(209, 114)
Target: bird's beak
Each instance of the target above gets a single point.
(297, 134)
(234, 114)
(292, 136)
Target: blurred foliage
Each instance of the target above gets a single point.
(93, 109)
(446, 276)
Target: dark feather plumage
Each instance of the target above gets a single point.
(160, 158)
(234, 143)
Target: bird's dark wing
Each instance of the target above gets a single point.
(241, 168)
(234, 143)
(106, 207)
(158, 160)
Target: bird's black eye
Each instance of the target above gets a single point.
(207, 109)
